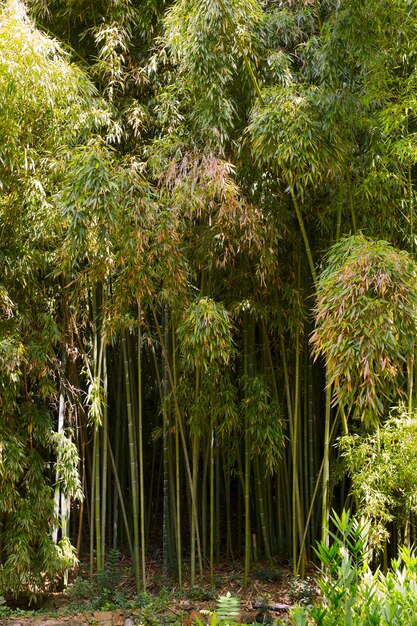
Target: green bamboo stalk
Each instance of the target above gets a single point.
(313, 498)
(172, 534)
(174, 493)
(240, 517)
(105, 426)
(269, 364)
(304, 442)
(140, 444)
(117, 437)
(95, 378)
(212, 505)
(84, 488)
(325, 511)
(411, 363)
(303, 233)
(161, 399)
(97, 489)
(218, 509)
(133, 465)
(165, 426)
(290, 422)
(266, 348)
(120, 494)
(97, 501)
(92, 504)
(227, 478)
(203, 498)
(294, 452)
(279, 503)
(296, 519)
(311, 439)
(57, 495)
(177, 466)
(339, 218)
(194, 492)
(269, 509)
(247, 508)
(352, 208)
(183, 439)
(247, 444)
(261, 509)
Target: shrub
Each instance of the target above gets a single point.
(354, 596)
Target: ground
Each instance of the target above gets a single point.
(112, 601)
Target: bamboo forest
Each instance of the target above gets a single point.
(208, 285)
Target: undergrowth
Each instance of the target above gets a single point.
(353, 595)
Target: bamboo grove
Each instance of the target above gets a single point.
(207, 281)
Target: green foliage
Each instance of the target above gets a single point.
(45, 107)
(263, 421)
(199, 593)
(228, 608)
(351, 594)
(303, 590)
(205, 335)
(295, 133)
(106, 592)
(269, 574)
(383, 470)
(204, 38)
(344, 563)
(366, 324)
(81, 589)
(109, 582)
(43, 100)
(219, 401)
(175, 182)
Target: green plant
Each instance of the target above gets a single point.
(4, 609)
(367, 286)
(228, 608)
(198, 593)
(108, 583)
(227, 612)
(268, 574)
(80, 589)
(106, 592)
(351, 595)
(248, 136)
(303, 590)
(384, 481)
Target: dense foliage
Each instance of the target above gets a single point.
(351, 592)
(197, 292)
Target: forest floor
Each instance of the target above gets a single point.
(113, 602)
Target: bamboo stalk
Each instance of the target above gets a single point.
(140, 444)
(177, 468)
(313, 497)
(120, 493)
(248, 535)
(57, 495)
(133, 466)
(117, 437)
(104, 456)
(194, 518)
(261, 509)
(212, 505)
(325, 511)
(183, 439)
(165, 427)
(294, 452)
